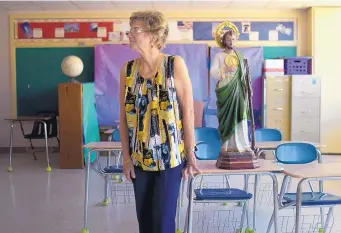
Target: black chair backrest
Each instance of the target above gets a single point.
(52, 127)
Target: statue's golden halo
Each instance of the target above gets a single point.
(221, 29)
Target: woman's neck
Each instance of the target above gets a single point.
(148, 60)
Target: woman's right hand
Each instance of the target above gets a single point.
(128, 169)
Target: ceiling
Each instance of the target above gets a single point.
(129, 5)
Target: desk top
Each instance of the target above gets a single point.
(209, 167)
(312, 170)
(29, 118)
(274, 144)
(104, 145)
(109, 131)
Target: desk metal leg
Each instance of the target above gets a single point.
(190, 204)
(48, 168)
(107, 199)
(275, 197)
(255, 202)
(10, 168)
(86, 202)
(298, 206)
(319, 157)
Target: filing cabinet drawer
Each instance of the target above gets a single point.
(305, 136)
(282, 124)
(277, 87)
(306, 86)
(305, 125)
(305, 107)
(278, 110)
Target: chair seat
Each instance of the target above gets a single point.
(313, 198)
(222, 194)
(113, 169)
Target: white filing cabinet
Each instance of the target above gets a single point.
(305, 108)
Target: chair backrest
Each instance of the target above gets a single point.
(208, 143)
(296, 153)
(52, 127)
(116, 135)
(266, 134)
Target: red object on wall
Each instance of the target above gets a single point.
(48, 30)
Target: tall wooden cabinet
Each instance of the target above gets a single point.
(292, 104)
(70, 125)
(77, 122)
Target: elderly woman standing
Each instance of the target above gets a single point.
(156, 123)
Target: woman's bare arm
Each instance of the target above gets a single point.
(184, 91)
(123, 120)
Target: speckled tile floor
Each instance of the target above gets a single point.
(33, 201)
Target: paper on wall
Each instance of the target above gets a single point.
(273, 35)
(246, 27)
(59, 32)
(120, 30)
(101, 32)
(115, 36)
(254, 36)
(37, 33)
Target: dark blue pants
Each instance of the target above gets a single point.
(156, 195)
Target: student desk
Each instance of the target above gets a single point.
(32, 119)
(272, 145)
(306, 172)
(109, 131)
(98, 147)
(208, 167)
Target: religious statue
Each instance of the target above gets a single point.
(234, 103)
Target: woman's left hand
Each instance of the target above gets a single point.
(190, 168)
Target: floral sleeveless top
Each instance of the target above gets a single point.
(154, 118)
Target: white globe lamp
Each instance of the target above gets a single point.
(72, 66)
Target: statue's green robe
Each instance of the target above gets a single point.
(232, 102)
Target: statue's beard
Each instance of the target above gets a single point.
(229, 47)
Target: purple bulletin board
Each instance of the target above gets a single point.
(108, 62)
(196, 59)
(255, 59)
(110, 58)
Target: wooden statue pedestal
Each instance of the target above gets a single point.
(231, 160)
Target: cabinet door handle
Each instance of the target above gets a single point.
(304, 112)
(306, 93)
(279, 89)
(278, 109)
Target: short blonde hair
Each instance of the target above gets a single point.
(155, 22)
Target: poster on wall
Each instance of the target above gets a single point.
(119, 34)
(249, 30)
(63, 29)
(180, 30)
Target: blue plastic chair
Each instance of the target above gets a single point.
(115, 136)
(209, 144)
(116, 168)
(303, 153)
(267, 134)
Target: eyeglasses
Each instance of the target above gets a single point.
(135, 31)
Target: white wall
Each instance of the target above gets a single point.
(5, 85)
(5, 91)
(326, 51)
